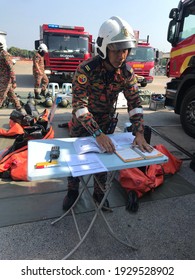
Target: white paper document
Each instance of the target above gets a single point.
(128, 154)
(88, 144)
(155, 153)
(134, 153)
(124, 138)
(85, 164)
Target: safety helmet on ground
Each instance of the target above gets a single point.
(116, 34)
(48, 102)
(43, 48)
(48, 99)
(64, 103)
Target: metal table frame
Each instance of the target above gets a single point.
(98, 212)
(112, 162)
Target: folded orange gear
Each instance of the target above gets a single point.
(15, 129)
(133, 179)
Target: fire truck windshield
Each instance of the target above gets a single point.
(66, 44)
(142, 54)
(188, 28)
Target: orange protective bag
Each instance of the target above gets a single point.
(13, 159)
(133, 179)
(174, 163)
(16, 162)
(142, 182)
(16, 128)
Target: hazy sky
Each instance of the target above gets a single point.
(21, 19)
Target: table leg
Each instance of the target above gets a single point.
(67, 212)
(98, 211)
(110, 178)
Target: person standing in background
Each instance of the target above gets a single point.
(39, 71)
(7, 79)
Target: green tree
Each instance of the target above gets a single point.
(20, 52)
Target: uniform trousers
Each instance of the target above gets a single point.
(40, 80)
(8, 91)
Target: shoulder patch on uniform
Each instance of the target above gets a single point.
(129, 68)
(82, 79)
(91, 64)
(87, 67)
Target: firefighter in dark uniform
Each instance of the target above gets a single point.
(7, 79)
(96, 85)
(39, 71)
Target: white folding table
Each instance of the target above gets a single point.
(39, 151)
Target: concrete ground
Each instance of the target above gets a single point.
(162, 229)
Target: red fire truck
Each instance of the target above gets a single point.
(180, 91)
(68, 46)
(143, 60)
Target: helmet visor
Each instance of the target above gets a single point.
(121, 45)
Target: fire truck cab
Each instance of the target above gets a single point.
(143, 59)
(180, 91)
(68, 46)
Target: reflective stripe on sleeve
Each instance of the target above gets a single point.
(81, 112)
(135, 111)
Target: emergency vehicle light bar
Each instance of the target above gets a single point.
(142, 41)
(57, 26)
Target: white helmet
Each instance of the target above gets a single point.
(43, 47)
(116, 34)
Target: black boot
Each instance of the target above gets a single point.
(42, 93)
(70, 199)
(21, 110)
(37, 96)
(132, 202)
(192, 163)
(97, 197)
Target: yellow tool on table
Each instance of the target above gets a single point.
(46, 164)
(54, 154)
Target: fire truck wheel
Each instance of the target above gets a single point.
(187, 113)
